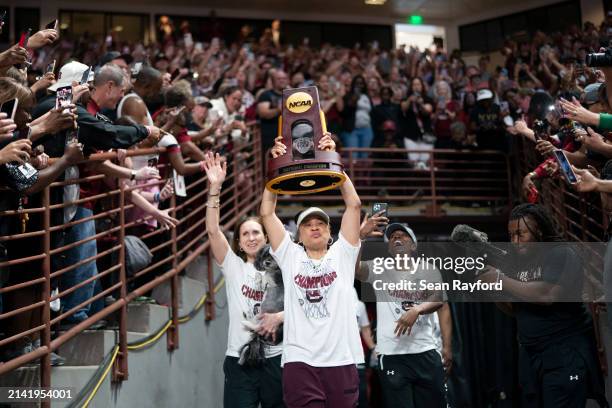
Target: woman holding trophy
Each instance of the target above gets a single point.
(321, 337)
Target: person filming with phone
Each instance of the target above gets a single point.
(409, 365)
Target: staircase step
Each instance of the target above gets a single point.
(145, 317)
(191, 291)
(88, 348)
(198, 269)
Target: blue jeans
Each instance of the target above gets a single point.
(81, 273)
(359, 137)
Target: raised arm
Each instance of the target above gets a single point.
(350, 219)
(274, 226)
(369, 228)
(216, 170)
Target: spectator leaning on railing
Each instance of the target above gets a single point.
(96, 132)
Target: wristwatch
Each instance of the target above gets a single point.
(133, 176)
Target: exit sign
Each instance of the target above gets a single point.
(414, 19)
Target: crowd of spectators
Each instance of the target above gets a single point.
(191, 96)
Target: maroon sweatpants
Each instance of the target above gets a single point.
(305, 386)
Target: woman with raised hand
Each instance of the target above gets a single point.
(244, 386)
(321, 338)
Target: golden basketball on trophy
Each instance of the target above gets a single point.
(303, 169)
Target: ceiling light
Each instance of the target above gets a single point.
(375, 2)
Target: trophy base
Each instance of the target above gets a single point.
(306, 182)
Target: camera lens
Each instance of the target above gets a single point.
(599, 59)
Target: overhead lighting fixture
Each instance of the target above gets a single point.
(375, 2)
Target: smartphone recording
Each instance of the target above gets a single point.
(10, 108)
(565, 166)
(52, 25)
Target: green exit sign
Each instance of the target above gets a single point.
(414, 19)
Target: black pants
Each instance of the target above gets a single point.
(561, 375)
(363, 386)
(247, 387)
(412, 380)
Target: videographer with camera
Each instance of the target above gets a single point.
(558, 364)
(574, 111)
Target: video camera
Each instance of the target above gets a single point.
(600, 59)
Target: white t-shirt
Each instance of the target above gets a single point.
(362, 115)
(167, 140)
(362, 315)
(245, 289)
(391, 305)
(437, 332)
(219, 110)
(320, 325)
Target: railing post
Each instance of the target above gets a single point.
(120, 370)
(351, 167)
(260, 175)
(209, 304)
(432, 173)
(45, 361)
(509, 178)
(172, 335)
(235, 153)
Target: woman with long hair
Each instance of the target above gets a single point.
(321, 338)
(416, 123)
(244, 386)
(357, 123)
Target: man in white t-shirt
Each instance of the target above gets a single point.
(410, 366)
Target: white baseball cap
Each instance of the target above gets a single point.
(484, 94)
(312, 211)
(72, 71)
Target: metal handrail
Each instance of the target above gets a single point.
(189, 240)
(469, 176)
(191, 237)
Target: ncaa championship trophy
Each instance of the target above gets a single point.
(303, 169)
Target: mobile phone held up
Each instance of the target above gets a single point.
(380, 209)
(50, 68)
(565, 166)
(63, 96)
(85, 76)
(25, 36)
(10, 107)
(52, 25)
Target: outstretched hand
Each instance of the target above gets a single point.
(370, 225)
(574, 111)
(215, 168)
(586, 180)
